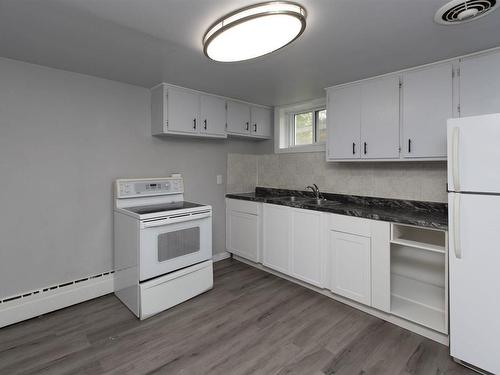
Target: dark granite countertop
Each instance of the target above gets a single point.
(424, 214)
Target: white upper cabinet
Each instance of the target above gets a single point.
(427, 104)
(212, 115)
(180, 111)
(403, 115)
(261, 120)
(238, 118)
(344, 122)
(380, 118)
(480, 84)
(363, 120)
(183, 111)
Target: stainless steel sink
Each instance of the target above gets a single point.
(290, 198)
(321, 202)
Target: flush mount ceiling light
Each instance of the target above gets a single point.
(460, 11)
(254, 31)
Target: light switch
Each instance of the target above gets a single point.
(219, 179)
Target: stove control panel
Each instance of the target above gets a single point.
(128, 188)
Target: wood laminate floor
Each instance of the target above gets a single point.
(250, 323)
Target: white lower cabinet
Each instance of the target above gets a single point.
(397, 269)
(307, 246)
(243, 229)
(293, 242)
(349, 266)
(277, 229)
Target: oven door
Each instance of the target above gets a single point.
(170, 244)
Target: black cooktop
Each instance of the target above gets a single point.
(151, 209)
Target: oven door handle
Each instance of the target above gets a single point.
(174, 219)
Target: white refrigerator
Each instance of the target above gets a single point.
(474, 240)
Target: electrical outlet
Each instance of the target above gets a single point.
(219, 179)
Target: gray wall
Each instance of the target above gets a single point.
(64, 139)
(425, 181)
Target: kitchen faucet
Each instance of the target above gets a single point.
(316, 192)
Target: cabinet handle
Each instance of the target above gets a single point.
(353, 148)
(254, 127)
(248, 126)
(409, 145)
(205, 124)
(364, 147)
(194, 123)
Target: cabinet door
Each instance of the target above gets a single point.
(344, 121)
(238, 118)
(480, 85)
(349, 271)
(427, 105)
(212, 115)
(261, 122)
(380, 118)
(183, 109)
(242, 237)
(276, 237)
(307, 250)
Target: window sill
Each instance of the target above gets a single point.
(305, 148)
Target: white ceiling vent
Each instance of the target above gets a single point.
(459, 11)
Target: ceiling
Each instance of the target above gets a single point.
(144, 42)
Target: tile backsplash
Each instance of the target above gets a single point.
(424, 181)
(241, 173)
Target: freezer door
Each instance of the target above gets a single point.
(475, 279)
(474, 154)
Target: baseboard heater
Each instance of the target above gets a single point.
(15, 309)
(24, 306)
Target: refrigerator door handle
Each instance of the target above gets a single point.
(454, 162)
(456, 226)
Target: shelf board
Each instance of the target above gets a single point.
(418, 313)
(419, 245)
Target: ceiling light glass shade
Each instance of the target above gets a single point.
(254, 31)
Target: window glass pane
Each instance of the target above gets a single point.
(321, 126)
(303, 123)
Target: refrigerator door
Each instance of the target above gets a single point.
(474, 154)
(475, 279)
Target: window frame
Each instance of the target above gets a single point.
(291, 126)
(283, 126)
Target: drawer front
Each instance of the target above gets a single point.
(252, 208)
(349, 224)
(167, 291)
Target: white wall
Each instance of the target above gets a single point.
(64, 139)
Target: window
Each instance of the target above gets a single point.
(300, 127)
(308, 128)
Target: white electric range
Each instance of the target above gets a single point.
(162, 245)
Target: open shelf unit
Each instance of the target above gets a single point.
(419, 285)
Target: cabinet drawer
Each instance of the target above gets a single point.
(169, 290)
(252, 208)
(349, 224)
